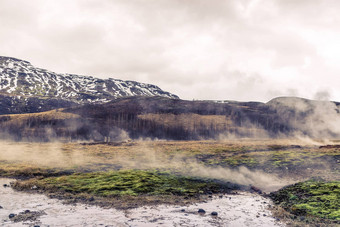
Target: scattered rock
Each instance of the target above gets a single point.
(201, 211)
(214, 213)
(91, 199)
(1, 207)
(26, 215)
(34, 187)
(183, 210)
(11, 215)
(329, 146)
(255, 189)
(221, 196)
(264, 215)
(5, 185)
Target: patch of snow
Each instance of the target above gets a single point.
(10, 65)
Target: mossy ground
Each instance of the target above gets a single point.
(127, 188)
(311, 199)
(130, 182)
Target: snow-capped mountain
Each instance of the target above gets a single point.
(21, 79)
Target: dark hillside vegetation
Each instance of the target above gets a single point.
(10, 104)
(165, 118)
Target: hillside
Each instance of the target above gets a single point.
(29, 89)
(165, 118)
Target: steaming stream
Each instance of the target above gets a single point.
(244, 209)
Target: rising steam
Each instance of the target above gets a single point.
(139, 156)
(313, 119)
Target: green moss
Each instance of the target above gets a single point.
(129, 182)
(241, 160)
(314, 198)
(273, 160)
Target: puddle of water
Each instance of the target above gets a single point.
(244, 209)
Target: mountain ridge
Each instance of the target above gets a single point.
(19, 77)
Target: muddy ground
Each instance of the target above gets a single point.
(237, 209)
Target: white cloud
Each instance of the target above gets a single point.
(241, 50)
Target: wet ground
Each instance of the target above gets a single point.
(242, 209)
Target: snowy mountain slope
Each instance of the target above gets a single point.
(20, 78)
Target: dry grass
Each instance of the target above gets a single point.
(48, 115)
(190, 121)
(174, 155)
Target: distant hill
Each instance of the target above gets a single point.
(25, 88)
(166, 118)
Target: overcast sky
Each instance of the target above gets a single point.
(198, 49)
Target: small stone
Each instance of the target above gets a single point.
(34, 187)
(201, 211)
(27, 211)
(91, 199)
(264, 215)
(183, 210)
(255, 189)
(214, 213)
(210, 196)
(11, 215)
(5, 185)
(37, 226)
(302, 218)
(221, 196)
(1, 207)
